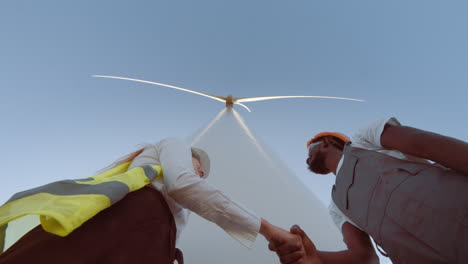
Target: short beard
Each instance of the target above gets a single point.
(318, 164)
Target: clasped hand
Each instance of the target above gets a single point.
(293, 247)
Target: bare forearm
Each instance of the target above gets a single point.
(447, 151)
(360, 249)
(348, 257)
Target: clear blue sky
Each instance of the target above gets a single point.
(407, 59)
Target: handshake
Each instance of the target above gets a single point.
(292, 247)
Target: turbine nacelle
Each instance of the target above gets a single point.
(229, 101)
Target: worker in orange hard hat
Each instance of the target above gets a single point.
(387, 189)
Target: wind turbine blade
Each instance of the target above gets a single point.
(208, 127)
(217, 98)
(243, 105)
(262, 98)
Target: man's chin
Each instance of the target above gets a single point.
(318, 171)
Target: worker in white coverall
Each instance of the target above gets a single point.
(143, 227)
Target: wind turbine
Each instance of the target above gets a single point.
(229, 100)
(248, 171)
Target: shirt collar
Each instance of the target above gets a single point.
(340, 163)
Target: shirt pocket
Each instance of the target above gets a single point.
(352, 193)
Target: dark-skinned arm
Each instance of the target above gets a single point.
(360, 249)
(449, 152)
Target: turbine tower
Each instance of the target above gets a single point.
(249, 172)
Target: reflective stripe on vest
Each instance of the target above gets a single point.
(63, 206)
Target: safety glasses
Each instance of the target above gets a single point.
(311, 145)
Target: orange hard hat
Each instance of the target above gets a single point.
(340, 136)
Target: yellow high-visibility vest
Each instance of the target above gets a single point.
(65, 205)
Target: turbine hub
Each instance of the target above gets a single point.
(229, 101)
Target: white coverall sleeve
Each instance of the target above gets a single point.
(197, 195)
(368, 137)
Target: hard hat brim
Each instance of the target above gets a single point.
(204, 160)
